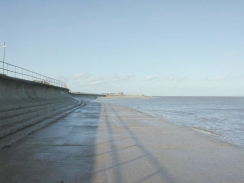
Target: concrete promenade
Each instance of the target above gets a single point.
(114, 144)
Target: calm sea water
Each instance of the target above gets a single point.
(222, 117)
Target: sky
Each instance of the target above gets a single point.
(150, 47)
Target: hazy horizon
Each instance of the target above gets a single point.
(155, 48)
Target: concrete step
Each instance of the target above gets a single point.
(35, 118)
(6, 107)
(8, 140)
(18, 112)
(17, 116)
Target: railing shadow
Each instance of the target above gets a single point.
(68, 151)
(117, 162)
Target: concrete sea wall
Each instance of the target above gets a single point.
(26, 106)
(17, 92)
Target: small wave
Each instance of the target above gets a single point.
(205, 131)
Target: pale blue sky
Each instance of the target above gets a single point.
(153, 47)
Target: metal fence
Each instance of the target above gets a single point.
(19, 72)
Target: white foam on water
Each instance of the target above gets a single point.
(205, 131)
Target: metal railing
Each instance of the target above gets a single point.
(21, 73)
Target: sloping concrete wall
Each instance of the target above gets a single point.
(26, 106)
(13, 90)
(16, 93)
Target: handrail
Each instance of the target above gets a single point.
(21, 73)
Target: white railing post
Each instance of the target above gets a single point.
(4, 46)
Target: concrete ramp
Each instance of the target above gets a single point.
(105, 143)
(26, 106)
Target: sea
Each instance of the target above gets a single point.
(221, 117)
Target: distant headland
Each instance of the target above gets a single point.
(121, 95)
(106, 96)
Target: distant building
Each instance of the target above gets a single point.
(116, 94)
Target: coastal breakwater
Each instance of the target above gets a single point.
(26, 106)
